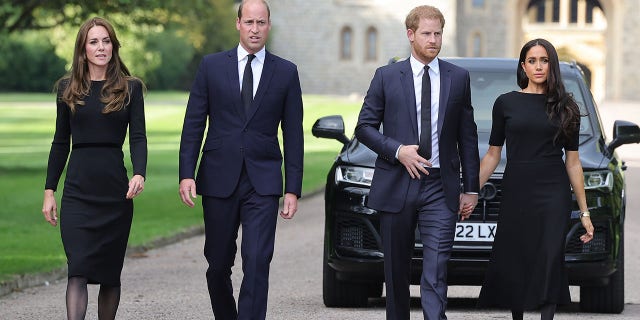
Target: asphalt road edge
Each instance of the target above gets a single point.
(23, 281)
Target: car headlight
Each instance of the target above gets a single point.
(598, 180)
(356, 175)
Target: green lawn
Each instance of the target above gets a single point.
(28, 244)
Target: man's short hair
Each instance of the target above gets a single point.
(420, 12)
(242, 4)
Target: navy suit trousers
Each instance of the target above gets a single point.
(425, 208)
(222, 217)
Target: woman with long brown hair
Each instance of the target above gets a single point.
(97, 101)
(540, 124)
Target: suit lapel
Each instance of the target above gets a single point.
(233, 79)
(268, 70)
(445, 87)
(406, 79)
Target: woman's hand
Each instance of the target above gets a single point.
(50, 208)
(136, 186)
(586, 223)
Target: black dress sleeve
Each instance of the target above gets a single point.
(60, 146)
(574, 140)
(137, 129)
(497, 123)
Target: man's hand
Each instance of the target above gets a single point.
(467, 203)
(412, 161)
(289, 206)
(187, 191)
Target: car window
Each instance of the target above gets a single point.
(571, 84)
(486, 86)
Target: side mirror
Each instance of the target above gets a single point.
(624, 132)
(330, 127)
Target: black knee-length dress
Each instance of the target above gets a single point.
(95, 216)
(527, 266)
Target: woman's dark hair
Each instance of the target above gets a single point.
(562, 109)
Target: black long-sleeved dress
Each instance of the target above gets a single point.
(527, 267)
(95, 216)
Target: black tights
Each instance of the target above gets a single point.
(76, 298)
(546, 313)
(108, 300)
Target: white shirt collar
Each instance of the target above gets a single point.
(417, 66)
(242, 54)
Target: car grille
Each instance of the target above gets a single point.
(356, 233)
(599, 243)
(489, 200)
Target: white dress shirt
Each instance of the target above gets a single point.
(417, 68)
(256, 66)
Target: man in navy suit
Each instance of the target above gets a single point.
(244, 94)
(428, 132)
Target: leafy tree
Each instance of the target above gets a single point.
(171, 56)
(29, 64)
(20, 15)
(210, 28)
(194, 15)
(157, 35)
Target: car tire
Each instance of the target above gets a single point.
(610, 298)
(337, 293)
(375, 290)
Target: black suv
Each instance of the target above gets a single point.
(353, 258)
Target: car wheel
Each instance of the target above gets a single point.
(610, 298)
(337, 293)
(375, 290)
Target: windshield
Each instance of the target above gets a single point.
(487, 86)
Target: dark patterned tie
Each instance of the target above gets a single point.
(424, 149)
(247, 85)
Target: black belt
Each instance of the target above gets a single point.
(433, 172)
(96, 145)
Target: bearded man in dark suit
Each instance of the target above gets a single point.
(428, 135)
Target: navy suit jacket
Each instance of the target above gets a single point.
(234, 138)
(391, 101)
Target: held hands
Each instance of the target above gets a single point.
(136, 186)
(50, 208)
(586, 223)
(412, 161)
(289, 206)
(467, 203)
(187, 191)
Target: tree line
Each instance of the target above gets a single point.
(162, 40)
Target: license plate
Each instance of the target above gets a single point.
(474, 231)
